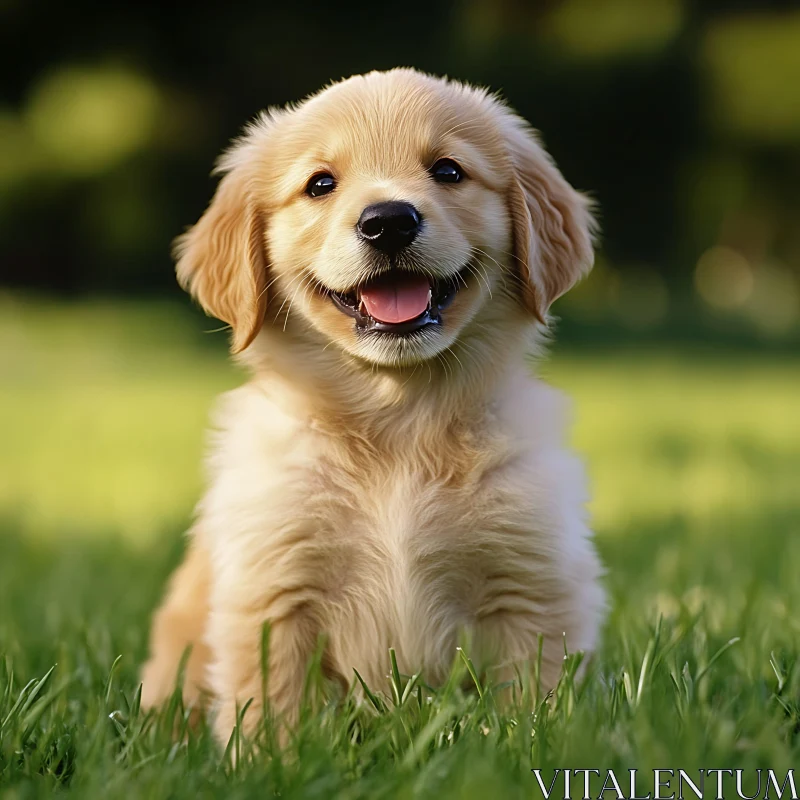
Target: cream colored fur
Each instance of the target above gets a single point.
(382, 494)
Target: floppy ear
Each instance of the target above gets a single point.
(552, 223)
(221, 261)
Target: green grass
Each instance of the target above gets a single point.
(694, 459)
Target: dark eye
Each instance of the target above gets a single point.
(445, 170)
(320, 184)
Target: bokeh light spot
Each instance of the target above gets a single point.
(19, 156)
(603, 28)
(753, 62)
(775, 303)
(87, 120)
(723, 278)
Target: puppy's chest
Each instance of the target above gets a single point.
(407, 557)
(400, 478)
(408, 521)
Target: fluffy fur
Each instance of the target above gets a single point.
(381, 491)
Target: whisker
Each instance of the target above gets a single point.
(291, 283)
(453, 353)
(298, 280)
(220, 329)
(303, 285)
(473, 269)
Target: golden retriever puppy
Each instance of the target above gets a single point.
(393, 474)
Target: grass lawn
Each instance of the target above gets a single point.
(695, 466)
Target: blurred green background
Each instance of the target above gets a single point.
(680, 350)
(682, 118)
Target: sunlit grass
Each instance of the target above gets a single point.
(105, 412)
(694, 459)
(106, 408)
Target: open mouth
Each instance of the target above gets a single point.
(398, 302)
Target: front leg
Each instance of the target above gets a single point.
(237, 673)
(280, 589)
(180, 623)
(534, 594)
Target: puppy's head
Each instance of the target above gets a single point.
(386, 215)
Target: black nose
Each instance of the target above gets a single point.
(389, 227)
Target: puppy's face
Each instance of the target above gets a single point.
(386, 213)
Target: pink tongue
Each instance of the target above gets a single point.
(397, 302)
